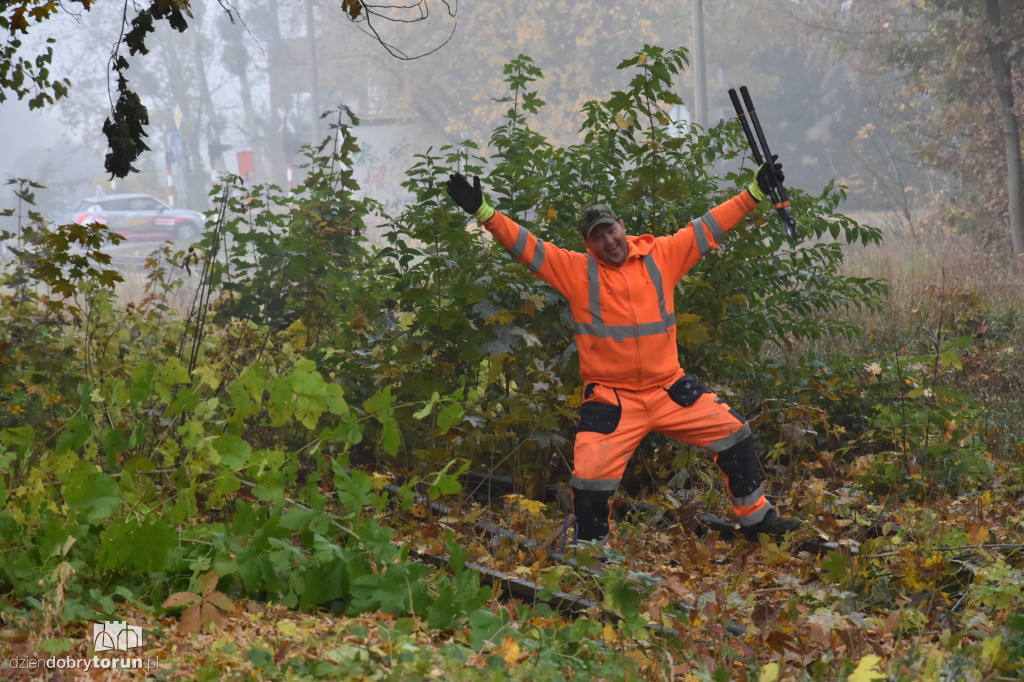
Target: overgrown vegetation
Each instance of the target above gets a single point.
(280, 442)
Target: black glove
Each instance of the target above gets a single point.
(469, 198)
(764, 177)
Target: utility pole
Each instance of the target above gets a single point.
(700, 113)
(314, 82)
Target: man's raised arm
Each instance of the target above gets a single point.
(549, 262)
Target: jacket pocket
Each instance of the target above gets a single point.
(686, 391)
(599, 417)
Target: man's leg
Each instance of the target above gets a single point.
(738, 464)
(593, 515)
(612, 424)
(691, 413)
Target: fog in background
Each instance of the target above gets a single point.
(231, 89)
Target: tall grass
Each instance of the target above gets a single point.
(943, 286)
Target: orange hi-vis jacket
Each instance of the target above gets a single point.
(624, 316)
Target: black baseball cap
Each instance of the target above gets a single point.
(599, 214)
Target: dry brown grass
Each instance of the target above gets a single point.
(133, 290)
(933, 274)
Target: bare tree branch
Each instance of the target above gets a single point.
(370, 12)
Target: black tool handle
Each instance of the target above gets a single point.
(763, 155)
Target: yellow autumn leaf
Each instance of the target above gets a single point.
(208, 375)
(608, 632)
(289, 629)
(524, 504)
(624, 120)
(509, 650)
(552, 213)
(993, 652)
(867, 670)
(299, 334)
(979, 534)
(769, 673)
(532, 506)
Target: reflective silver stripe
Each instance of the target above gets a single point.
(701, 236)
(716, 230)
(756, 517)
(594, 483)
(519, 248)
(594, 280)
(750, 499)
(655, 273)
(538, 257)
(623, 331)
(724, 444)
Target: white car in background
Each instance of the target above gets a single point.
(140, 217)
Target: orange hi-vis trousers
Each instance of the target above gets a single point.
(613, 421)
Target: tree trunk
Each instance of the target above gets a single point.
(1003, 81)
(185, 185)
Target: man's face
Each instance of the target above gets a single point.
(608, 243)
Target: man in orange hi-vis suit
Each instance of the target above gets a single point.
(620, 294)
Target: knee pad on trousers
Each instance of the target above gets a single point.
(592, 513)
(741, 468)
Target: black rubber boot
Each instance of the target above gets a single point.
(592, 513)
(772, 524)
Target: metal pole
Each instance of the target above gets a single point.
(314, 85)
(700, 114)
